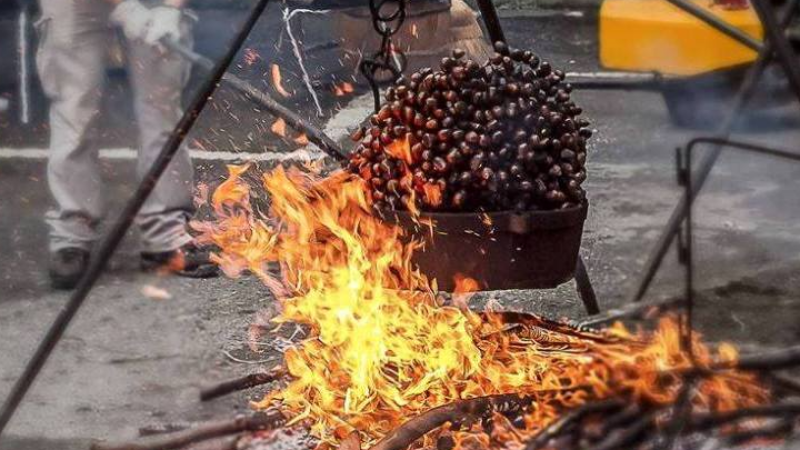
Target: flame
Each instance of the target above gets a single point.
(433, 194)
(279, 127)
(301, 139)
(382, 346)
(276, 80)
(343, 89)
(401, 149)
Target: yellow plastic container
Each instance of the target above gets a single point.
(653, 35)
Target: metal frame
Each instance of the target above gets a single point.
(112, 239)
(777, 43)
(683, 163)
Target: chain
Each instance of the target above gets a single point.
(387, 18)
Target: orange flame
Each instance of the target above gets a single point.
(276, 80)
(401, 149)
(383, 348)
(433, 194)
(301, 139)
(279, 127)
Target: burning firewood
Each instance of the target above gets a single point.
(385, 358)
(207, 431)
(242, 383)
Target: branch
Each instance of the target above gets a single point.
(242, 383)
(622, 438)
(574, 416)
(404, 435)
(705, 421)
(210, 430)
(774, 360)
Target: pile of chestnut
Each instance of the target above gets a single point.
(500, 136)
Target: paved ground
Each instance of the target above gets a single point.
(131, 360)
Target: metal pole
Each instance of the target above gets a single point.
(775, 35)
(314, 134)
(112, 239)
(489, 14)
(708, 159)
(719, 24)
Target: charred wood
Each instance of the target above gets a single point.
(242, 383)
(210, 430)
(574, 417)
(404, 435)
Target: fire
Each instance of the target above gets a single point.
(401, 149)
(276, 80)
(301, 139)
(383, 346)
(343, 89)
(279, 127)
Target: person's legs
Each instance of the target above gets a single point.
(71, 64)
(158, 81)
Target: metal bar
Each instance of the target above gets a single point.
(24, 64)
(775, 34)
(314, 134)
(489, 14)
(115, 235)
(719, 24)
(585, 289)
(708, 159)
(746, 146)
(685, 169)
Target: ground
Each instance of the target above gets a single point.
(131, 360)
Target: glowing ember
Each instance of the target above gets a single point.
(342, 89)
(383, 347)
(276, 80)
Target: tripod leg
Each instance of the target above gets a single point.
(585, 289)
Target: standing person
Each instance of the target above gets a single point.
(74, 36)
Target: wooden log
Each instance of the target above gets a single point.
(242, 383)
(210, 430)
(706, 421)
(573, 417)
(404, 435)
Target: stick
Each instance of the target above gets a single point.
(576, 415)
(774, 429)
(242, 383)
(787, 384)
(705, 421)
(404, 435)
(163, 428)
(774, 360)
(623, 437)
(210, 430)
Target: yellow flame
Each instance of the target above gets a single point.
(382, 346)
